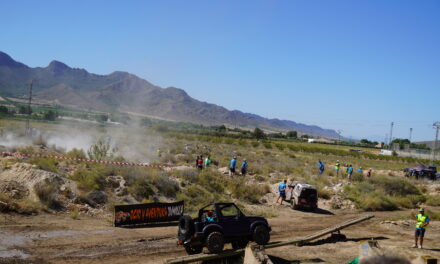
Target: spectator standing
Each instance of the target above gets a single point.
(349, 172)
(207, 161)
(422, 223)
(337, 167)
(232, 166)
(321, 167)
(282, 187)
(244, 167)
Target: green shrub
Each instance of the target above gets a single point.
(249, 193)
(267, 145)
(324, 193)
(47, 193)
(280, 146)
(47, 164)
(433, 200)
(255, 144)
(76, 153)
(142, 188)
(394, 186)
(376, 201)
(89, 179)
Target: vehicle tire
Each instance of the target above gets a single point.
(261, 235)
(186, 227)
(215, 242)
(191, 250)
(240, 244)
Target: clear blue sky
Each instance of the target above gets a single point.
(350, 65)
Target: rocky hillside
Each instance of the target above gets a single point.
(125, 92)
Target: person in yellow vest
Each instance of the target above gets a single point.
(422, 223)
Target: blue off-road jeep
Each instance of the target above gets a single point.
(221, 223)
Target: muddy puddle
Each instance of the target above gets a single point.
(11, 243)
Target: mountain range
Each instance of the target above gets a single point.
(125, 92)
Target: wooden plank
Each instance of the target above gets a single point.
(204, 257)
(321, 233)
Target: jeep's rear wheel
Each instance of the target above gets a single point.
(191, 250)
(240, 243)
(215, 242)
(261, 235)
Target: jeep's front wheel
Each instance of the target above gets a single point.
(191, 250)
(261, 235)
(240, 244)
(215, 242)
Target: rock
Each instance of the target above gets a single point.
(14, 189)
(115, 181)
(97, 197)
(338, 202)
(223, 170)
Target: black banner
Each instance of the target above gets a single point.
(134, 214)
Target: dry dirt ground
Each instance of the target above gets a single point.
(50, 238)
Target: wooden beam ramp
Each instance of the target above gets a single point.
(255, 254)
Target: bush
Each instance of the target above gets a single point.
(142, 188)
(376, 201)
(280, 146)
(267, 145)
(255, 144)
(324, 193)
(47, 192)
(250, 193)
(89, 179)
(76, 153)
(433, 200)
(47, 164)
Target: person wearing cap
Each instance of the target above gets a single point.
(244, 167)
(337, 167)
(422, 223)
(232, 166)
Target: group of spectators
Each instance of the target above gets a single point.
(202, 163)
(348, 169)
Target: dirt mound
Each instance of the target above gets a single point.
(25, 180)
(14, 189)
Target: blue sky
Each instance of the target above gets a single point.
(349, 65)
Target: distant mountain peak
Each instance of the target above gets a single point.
(58, 65)
(6, 60)
(125, 92)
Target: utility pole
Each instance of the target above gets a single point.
(437, 127)
(29, 109)
(391, 134)
(410, 134)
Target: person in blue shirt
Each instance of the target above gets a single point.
(282, 187)
(209, 216)
(321, 167)
(244, 167)
(232, 166)
(349, 172)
